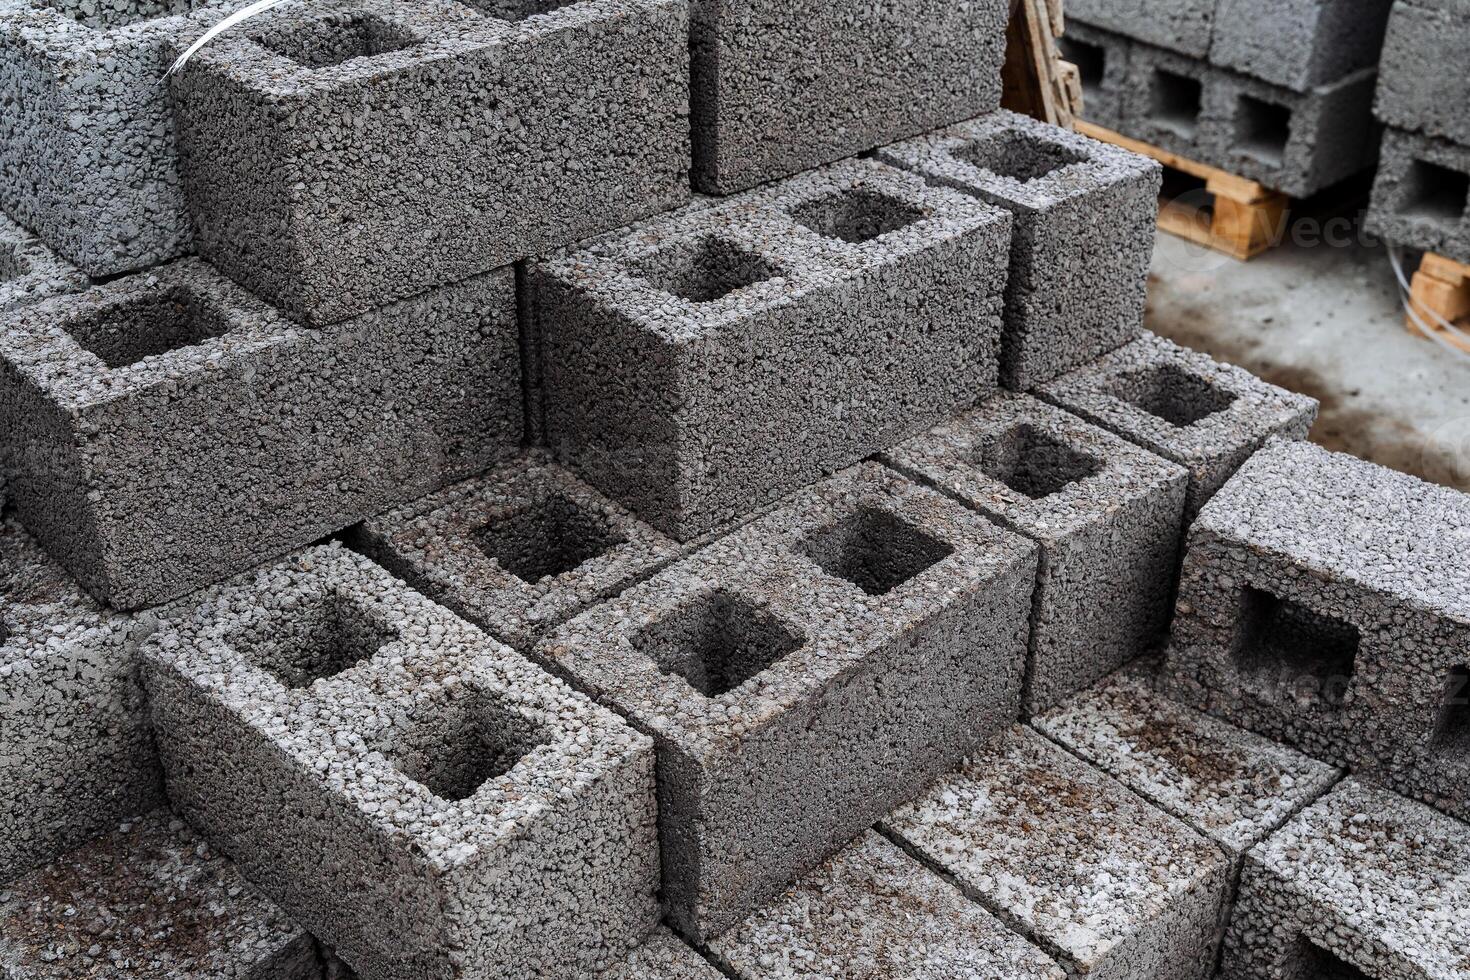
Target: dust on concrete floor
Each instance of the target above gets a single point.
(1325, 320)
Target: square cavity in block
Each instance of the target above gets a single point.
(1020, 156)
(146, 326)
(1263, 129)
(1278, 635)
(319, 639)
(1032, 462)
(857, 216)
(339, 38)
(1319, 964)
(548, 539)
(1176, 101)
(1091, 61)
(717, 643)
(875, 551)
(1452, 734)
(1434, 193)
(454, 749)
(517, 10)
(1174, 395)
(704, 270)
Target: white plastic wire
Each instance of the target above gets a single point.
(1439, 326)
(239, 16)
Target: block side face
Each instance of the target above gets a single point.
(1101, 58)
(1185, 27)
(29, 271)
(1423, 70)
(1169, 101)
(1299, 44)
(663, 957)
(1421, 198)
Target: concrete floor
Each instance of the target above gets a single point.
(1325, 320)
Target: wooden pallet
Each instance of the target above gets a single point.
(1035, 80)
(1441, 290)
(1241, 218)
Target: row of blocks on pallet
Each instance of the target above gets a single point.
(335, 160)
(694, 367)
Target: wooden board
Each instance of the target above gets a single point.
(1441, 290)
(1036, 81)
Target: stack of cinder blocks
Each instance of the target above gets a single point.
(1276, 91)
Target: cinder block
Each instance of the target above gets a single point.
(1422, 195)
(150, 901)
(517, 551)
(1325, 602)
(1298, 44)
(806, 674)
(173, 429)
(779, 88)
(1072, 860)
(419, 796)
(1363, 884)
(713, 361)
(1085, 214)
(1233, 786)
(29, 271)
(1184, 26)
(662, 957)
(336, 161)
(1424, 74)
(76, 747)
(87, 155)
(1105, 514)
(1206, 416)
(1101, 58)
(1171, 101)
(873, 911)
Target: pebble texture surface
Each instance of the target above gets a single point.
(173, 429)
(29, 271)
(1424, 74)
(663, 956)
(1421, 198)
(805, 675)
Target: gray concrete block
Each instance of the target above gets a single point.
(1421, 198)
(1170, 100)
(1298, 44)
(1424, 73)
(1325, 602)
(151, 901)
(1204, 415)
(1106, 884)
(873, 911)
(155, 452)
(1363, 884)
(1085, 214)
(713, 361)
(29, 271)
(517, 551)
(421, 797)
(87, 156)
(779, 88)
(337, 161)
(1185, 26)
(76, 747)
(805, 675)
(1105, 513)
(1101, 58)
(662, 957)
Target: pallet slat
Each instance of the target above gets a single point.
(1441, 289)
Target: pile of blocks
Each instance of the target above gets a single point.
(633, 489)
(1276, 91)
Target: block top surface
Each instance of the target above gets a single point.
(29, 271)
(1352, 520)
(151, 895)
(1035, 466)
(42, 609)
(105, 28)
(1231, 785)
(437, 733)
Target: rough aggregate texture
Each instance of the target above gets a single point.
(29, 271)
(663, 956)
(1184, 26)
(1424, 74)
(1298, 44)
(1421, 198)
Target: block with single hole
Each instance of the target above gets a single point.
(30, 271)
(1105, 513)
(1362, 885)
(173, 429)
(1072, 860)
(76, 747)
(518, 550)
(1182, 26)
(1101, 58)
(1421, 198)
(1184, 406)
(1422, 76)
(147, 900)
(1085, 214)
(339, 160)
(419, 796)
(663, 956)
(1325, 602)
(710, 362)
(874, 911)
(1167, 100)
(806, 674)
(779, 88)
(1298, 44)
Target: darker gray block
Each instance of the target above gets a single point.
(1325, 603)
(173, 429)
(1421, 198)
(1424, 74)
(1186, 407)
(29, 271)
(1084, 234)
(337, 161)
(1298, 44)
(1105, 513)
(806, 674)
(1101, 58)
(1184, 26)
(712, 361)
(419, 796)
(1170, 101)
(781, 87)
